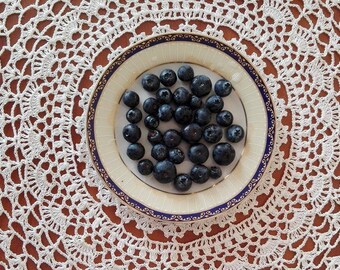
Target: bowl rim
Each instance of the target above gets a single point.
(271, 136)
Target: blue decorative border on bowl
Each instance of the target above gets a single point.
(188, 38)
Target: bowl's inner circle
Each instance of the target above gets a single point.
(232, 103)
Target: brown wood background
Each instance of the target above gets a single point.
(13, 21)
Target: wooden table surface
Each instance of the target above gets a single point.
(102, 60)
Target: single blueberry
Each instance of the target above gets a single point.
(185, 73)
(131, 99)
(214, 103)
(182, 96)
(195, 102)
(135, 151)
(202, 116)
(165, 112)
(131, 133)
(151, 106)
(159, 152)
(192, 133)
(215, 172)
(201, 85)
(150, 82)
(155, 136)
(212, 133)
(168, 77)
(151, 122)
(199, 174)
(183, 182)
(164, 171)
(235, 133)
(223, 88)
(145, 166)
(176, 155)
(183, 115)
(134, 115)
(224, 118)
(172, 138)
(198, 153)
(164, 95)
(223, 154)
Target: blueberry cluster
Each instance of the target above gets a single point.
(193, 113)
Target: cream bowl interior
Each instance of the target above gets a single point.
(231, 103)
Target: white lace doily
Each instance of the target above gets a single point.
(56, 212)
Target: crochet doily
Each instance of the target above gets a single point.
(56, 212)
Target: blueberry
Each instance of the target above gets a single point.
(199, 174)
(212, 133)
(195, 102)
(159, 152)
(235, 133)
(135, 151)
(131, 133)
(134, 115)
(201, 85)
(168, 77)
(176, 155)
(183, 115)
(150, 82)
(224, 118)
(151, 106)
(164, 95)
(183, 182)
(165, 112)
(198, 153)
(202, 116)
(145, 166)
(223, 88)
(185, 73)
(215, 172)
(182, 96)
(155, 136)
(164, 171)
(223, 154)
(151, 122)
(172, 138)
(131, 99)
(192, 133)
(214, 103)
